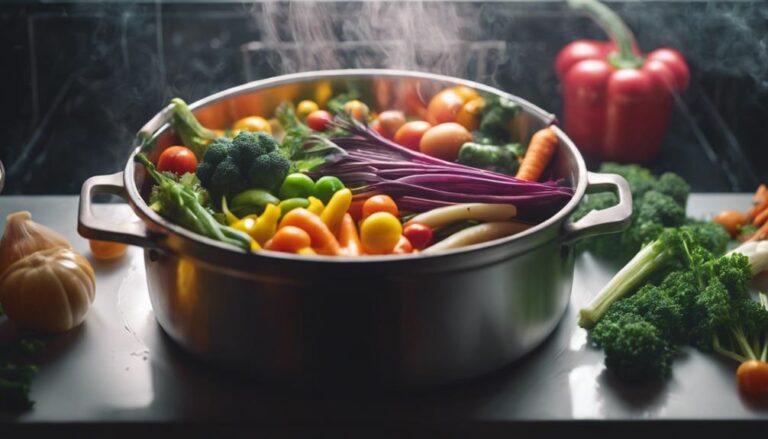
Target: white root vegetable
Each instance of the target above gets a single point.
(757, 252)
(485, 212)
(477, 234)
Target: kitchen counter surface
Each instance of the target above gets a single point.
(120, 367)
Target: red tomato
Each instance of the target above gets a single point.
(409, 135)
(419, 235)
(444, 141)
(318, 120)
(379, 203)
(178, 160)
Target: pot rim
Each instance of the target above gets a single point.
(159, 124)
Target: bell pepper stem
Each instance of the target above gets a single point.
(615, 27)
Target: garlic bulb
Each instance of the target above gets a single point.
(48, 291)
(22, 237)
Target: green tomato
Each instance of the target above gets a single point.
(326, 187)
(296, 185)
(292, 203)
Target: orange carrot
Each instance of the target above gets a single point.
(539, 153)
(323, 241)
(760, 234)
(289, 239)
(760, 218)
(759, 203)
(349, 240)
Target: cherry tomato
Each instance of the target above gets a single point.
(105, 250)
(326, 186)
(305, 107)
(253, 123)
(380, 233)
(296, 185)
(444, 107)
(357, 110)
(419, 235)
(390, 122)
(318, 120)
(409, 135)
(379, 203)
(178, 160)
(752, 378)
(444, 141)
(356, 210)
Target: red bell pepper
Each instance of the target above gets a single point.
(617, 103)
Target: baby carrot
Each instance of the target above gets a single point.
(289, 239)
(323, 241)
(349, 240)
(539, 153)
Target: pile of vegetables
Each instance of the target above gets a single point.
(680, 288)
(751, 225)
(346, 181)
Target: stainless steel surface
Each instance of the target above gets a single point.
(120, 367)
(409, 320)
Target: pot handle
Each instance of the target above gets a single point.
(598, 222)
(92, 227)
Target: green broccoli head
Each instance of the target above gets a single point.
(269, 170)
(227, 179)
(635, 350)
(503, 159)
(639, 178)
(250, 160)
(246, 146)
(674, 186)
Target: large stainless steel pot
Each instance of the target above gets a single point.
(408, 320)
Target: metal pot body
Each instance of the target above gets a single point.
(409, 320)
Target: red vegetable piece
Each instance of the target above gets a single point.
(178, 160)
(318, 120)
(419, 235)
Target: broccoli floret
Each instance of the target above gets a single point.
(674, 186)
(634, 348)
(496, 117)
(247, 161)
(503, 159)
(269, 170)
(639, 178)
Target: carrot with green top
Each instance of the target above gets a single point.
(539, 153)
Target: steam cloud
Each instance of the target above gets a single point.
(439, 37)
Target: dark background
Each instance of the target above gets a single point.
(80, 78)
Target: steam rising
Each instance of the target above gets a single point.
(430, 36)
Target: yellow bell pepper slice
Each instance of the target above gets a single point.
(316, 206)
(337, 206)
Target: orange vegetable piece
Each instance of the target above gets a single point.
(349, 239)
(731, 220)
(403, 246)
(106, 250)
(289, 239)
(752, 378)
(323, 241)
(539, 153)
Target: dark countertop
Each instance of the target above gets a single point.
(120, 367)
